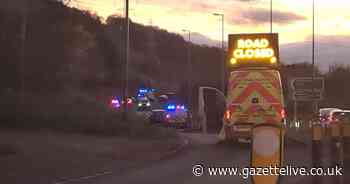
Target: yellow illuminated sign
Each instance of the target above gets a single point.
(249, 43)
(258, 48)
(254, 48)
(233, 61)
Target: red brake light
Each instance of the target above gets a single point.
(129, 101)
(228, 114)
(283, 113)
(330, 118)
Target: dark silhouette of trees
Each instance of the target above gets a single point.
(69, 48)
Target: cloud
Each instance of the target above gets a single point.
(186, 5)
(247, 0)
(260, 16)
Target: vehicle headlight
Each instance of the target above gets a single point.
(139, 104)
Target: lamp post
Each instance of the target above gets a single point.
(126, 76)
(313, 54)
(189, 70)
(271, 20)
(222, 84)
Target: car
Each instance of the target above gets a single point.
(326, 113)
(171, 112)
(177, 115)
(339, 116)
(117, 104)
(143, 104)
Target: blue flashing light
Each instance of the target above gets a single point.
(171, 107)
(143, 91)
(115, 103)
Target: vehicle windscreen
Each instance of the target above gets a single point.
(342, 116)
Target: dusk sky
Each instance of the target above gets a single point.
(292, 18)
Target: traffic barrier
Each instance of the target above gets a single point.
(317, 132)
(335, 138)
(267, 150)
(317, 135)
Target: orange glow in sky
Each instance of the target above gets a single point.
(292, 18)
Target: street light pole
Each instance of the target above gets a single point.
(189, 70)
(222, 84)
(126, 76)
(271, 16)
(23, 37)
(313, 54)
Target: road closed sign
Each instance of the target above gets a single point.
(260, 49)
(266, 152)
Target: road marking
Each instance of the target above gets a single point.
(83, 178)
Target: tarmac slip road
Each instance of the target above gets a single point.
(202, 150)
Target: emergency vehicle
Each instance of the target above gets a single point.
(254, 89)
(171, 112)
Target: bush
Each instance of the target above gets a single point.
(72, 112)
(139, 126)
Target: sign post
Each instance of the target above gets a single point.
(310, 89)
(306, 89)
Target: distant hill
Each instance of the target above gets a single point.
(328, 51)
(69, 48)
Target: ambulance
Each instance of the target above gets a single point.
(254, 90)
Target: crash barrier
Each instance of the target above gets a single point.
(267, 150)
(335, 139)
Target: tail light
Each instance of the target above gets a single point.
(283, 113)
(332, 119)
(168, 116)
(228, 114)
(129, 101)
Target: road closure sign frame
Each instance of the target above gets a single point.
(253, 49)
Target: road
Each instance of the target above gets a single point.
(204, 150)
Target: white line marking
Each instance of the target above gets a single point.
(83, 178)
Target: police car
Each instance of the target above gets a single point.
(171, 112)
(143, 104)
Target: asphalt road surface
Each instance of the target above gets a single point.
(204, 150)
